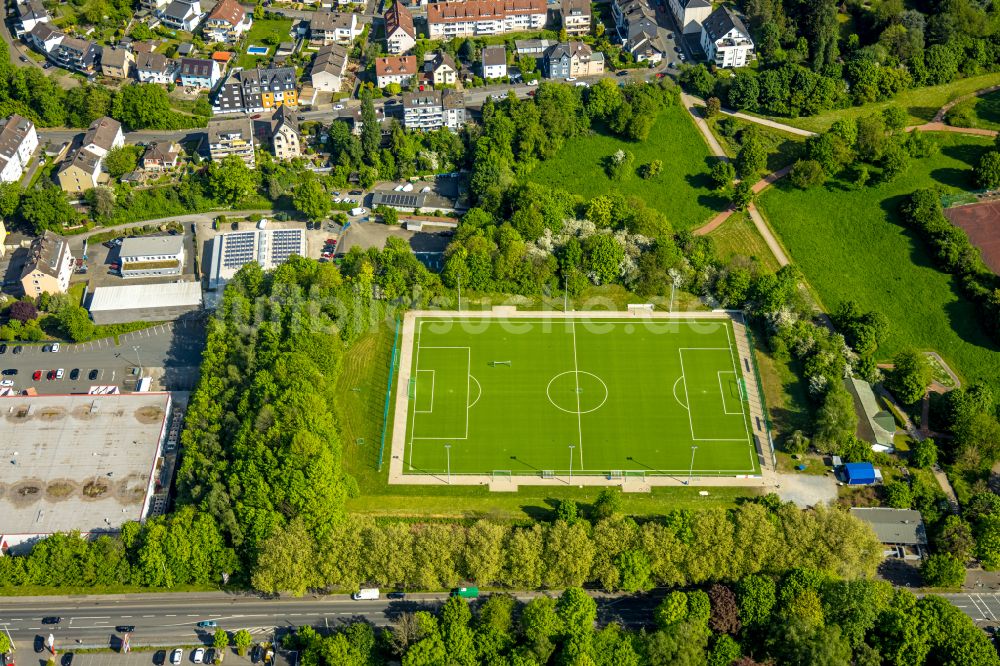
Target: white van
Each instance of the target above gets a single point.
(355, 212)
(366, 593)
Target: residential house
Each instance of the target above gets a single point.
(532, 47)
(472, 18)
(572, 59)
(334, 28)
(231, 137)
(575, 16)
(400, 35)
(77, 55)
(226, 22)
(257, 90)
(182, 15)
(199, 73)
(117, 63)
(155, 68)
(635, 24)
(455, 114)
(44, 38)
(876, 425)
(48, 267)
(441, 69)
(352, 117)
(83, 169)
(395, 69)
(494, 62)
(18, 142)
(154, 6)
(30, 14)
(160, 156)
(725, 40)
(285, 138)
(103, 136)
(690, 14)
(433, 109)
(901, 531)
(185, 50)
(152, 256)
(329, 67)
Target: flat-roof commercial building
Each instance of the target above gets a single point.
(268, 247)
(150, 256)
(901, 531)
(78, 462)
(145, 302)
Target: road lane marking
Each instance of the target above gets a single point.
(91, 617)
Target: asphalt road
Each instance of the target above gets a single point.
(983, 608)
(171, 619)
(176, 347)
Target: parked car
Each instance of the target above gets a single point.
(3, 349)
(24, 59)
(18, 349)
(198, 656)
(51, 375)
(74, 374)
(369, 593)
(55, 347)
(10, 372)
(570, 79)
(533, 82)
(37, 375)
(59, 373)
(6, 382)
(175, 656)
(338, 107)
(93, 375)
(355, 193)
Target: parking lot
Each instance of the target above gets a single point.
(143, 658)
(170, 353)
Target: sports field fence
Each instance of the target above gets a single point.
(388, 394)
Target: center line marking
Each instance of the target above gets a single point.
(579, 416)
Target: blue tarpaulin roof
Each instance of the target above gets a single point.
(858, 473)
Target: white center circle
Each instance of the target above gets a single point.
(578, 373)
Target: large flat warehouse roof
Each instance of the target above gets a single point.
(77, 462)
(128, 297)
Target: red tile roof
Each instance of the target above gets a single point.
(453, 11)
(395, 65)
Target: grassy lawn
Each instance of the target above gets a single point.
(850, 246)
(986, 111)
(738, 237)
(683, 190)
(262, 28)
(920, 103)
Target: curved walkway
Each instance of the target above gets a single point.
(938, 126)
(939, 116)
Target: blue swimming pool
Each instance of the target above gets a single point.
(257, 50)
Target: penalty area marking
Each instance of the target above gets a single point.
(675, 392)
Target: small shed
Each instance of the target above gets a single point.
(859, 474)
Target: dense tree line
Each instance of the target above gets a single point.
(29, 92)
(805, 67)
(803, 617)
(616, 553)
(955, 254)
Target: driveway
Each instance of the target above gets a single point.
(807, 490)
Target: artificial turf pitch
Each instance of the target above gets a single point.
(619, 396)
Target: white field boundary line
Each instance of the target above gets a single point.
(576, 376)
(680, 352)
(416, 389)
(409, 348)
(722, 390)
(746, 416)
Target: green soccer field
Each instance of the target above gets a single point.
(526, 396)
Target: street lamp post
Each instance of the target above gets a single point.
(137, 359)
(691, 471)
(447, 452)
(571, 447)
